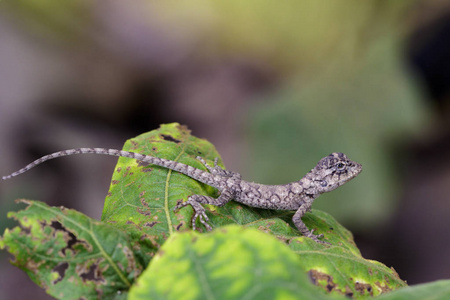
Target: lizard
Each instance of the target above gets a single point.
(330, 172)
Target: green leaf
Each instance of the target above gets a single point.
(428, 291)
(229, 263)
(69, 254)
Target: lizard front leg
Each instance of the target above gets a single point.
(297, 219)
(199, 211)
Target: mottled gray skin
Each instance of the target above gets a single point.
(330, 172)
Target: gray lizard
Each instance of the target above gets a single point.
(330, 172)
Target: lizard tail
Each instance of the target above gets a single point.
(176, 166)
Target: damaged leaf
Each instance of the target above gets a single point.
(231, 262)
(340, 268)
(69, 254)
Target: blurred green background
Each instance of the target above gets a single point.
(274, 85)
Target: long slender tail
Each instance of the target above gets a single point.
(195, 173)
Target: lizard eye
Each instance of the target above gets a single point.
(340, 166)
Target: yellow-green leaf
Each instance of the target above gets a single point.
(230, 263)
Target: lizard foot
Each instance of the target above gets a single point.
(316, 238)
(199, 212)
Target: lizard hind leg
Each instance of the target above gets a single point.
(195, 202)
(217, 170)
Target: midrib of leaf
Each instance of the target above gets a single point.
(103, 252)
(202, 275)
(166, 191)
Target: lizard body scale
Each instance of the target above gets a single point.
(330, 172)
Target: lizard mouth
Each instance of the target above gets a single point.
(357, 168)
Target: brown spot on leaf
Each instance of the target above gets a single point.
(114, 182)
(362, 288)
(144, 212)
(348, 292)
(179, 216)
(108, 194)
(119, 169)
(26, 230)
(263, 228)
(179, 226)
(321, 279)
(131, 266)
(384, 288)
(170, 138)
(283, 239)
(91, 272)
(144, 203)
(150, 224)
(395, 273)
(150, 238)
(184, 129)
(33, 265)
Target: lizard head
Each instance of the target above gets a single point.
(333, 171)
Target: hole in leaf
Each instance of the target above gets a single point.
(61, 270)
(93, 274)
(70, 238)
(170, 138)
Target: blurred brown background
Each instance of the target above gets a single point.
(274, 85)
